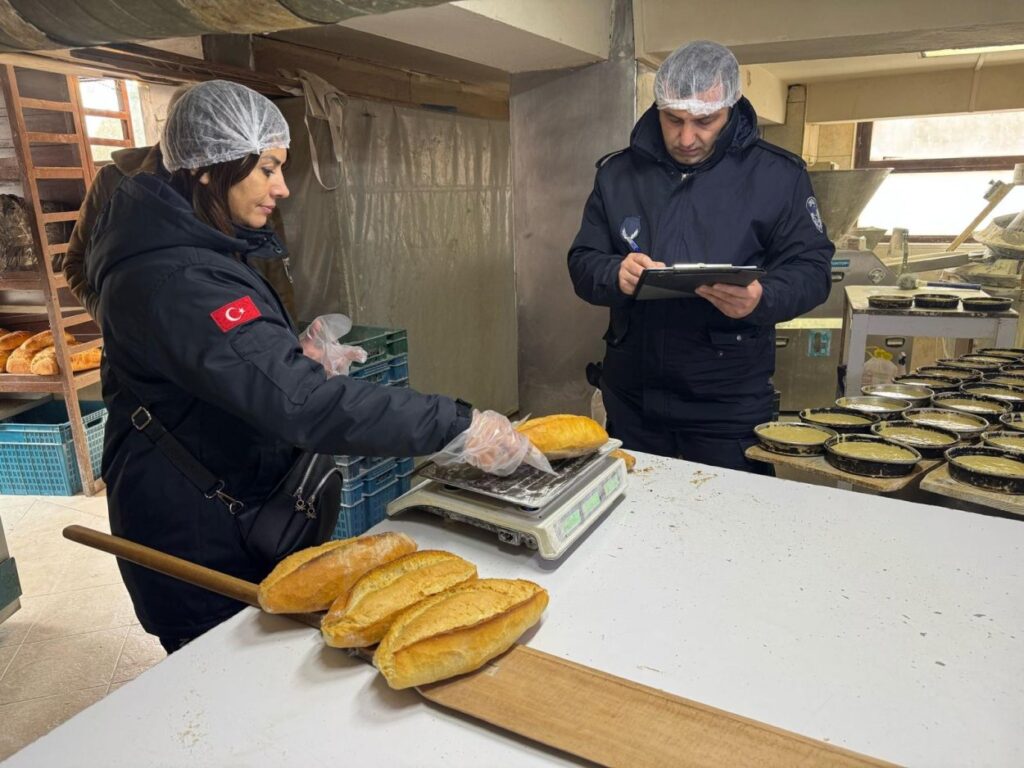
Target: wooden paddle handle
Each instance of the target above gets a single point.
(169, 565)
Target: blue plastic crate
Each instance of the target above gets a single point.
(380, 373)
(352, 492)
(397, 342)
(380, 357)
(37, 454)
(351, 521)
(399, 383)
(399, 365)
(404, 483)
(377, 503)
(378, 477)
(405, 466)
(351, 466)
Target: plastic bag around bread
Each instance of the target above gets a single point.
(564, 436)
(311, 579)
(458, 631)
(361, 617)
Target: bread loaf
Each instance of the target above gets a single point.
(628, 458)
(11, 341)
(564, 435)
(4, 354)
(457, 631)
(44, 362)
(362, 616)
(44, 339)
(20, 361)
(313, 578)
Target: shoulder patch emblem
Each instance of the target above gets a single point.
(812, 209)
(238, 312)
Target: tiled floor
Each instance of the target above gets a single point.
(75, 638)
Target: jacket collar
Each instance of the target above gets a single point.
(739, 133)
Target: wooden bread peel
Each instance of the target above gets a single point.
(582, 711)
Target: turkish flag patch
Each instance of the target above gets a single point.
(235, 314)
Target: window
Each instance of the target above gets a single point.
(942, 168)
(108, 117)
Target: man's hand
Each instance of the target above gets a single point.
(731, 300)
(632, 267)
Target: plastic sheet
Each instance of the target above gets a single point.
(417, 235)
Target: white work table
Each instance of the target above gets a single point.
(890, 628)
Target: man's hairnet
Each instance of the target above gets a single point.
(218, 121)
(700, 78)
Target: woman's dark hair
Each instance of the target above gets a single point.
(210, 201)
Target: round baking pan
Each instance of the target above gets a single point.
(976, 357)
(1012, 396)
(1006, 440)
(1014, 369)
(970, 365)
(987, 408)
(959, 375)
(860, 422)
(936, 384)
(793, 444)
(1009, 353)
(890, 301)
(1006, 379)
(1014, 421)
(936, 301)
(930, 442)
(882, 407)
(871, 466)
(919, 397)
(992, 479)
(986, 304)
(967, 425)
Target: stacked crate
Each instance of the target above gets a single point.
(371, 483)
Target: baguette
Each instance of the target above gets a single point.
(20, 361)
(362, 616)
(4, 354)
(13, 340)
(45, 363)
(311, 579)
(42, 340)
(457, 631)
(564, 436)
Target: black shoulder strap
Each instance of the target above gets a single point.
(205, 481)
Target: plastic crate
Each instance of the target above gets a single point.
(399, 383)
(351, 491)
(379, 358)
(404, 483)
(379, 373)
(351, 466)
(398, 342)
(377, 503)
(351, 521)
(399, 365)
(378, 477)
(371, 338)
(37, 454)
(405, 466)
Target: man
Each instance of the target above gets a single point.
(128, 162)
(692, 377)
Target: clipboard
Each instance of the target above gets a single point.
(681, 280)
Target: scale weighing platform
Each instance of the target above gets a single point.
(530, 508)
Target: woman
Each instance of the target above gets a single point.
(194, 334)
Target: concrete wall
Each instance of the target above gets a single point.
(561, 123)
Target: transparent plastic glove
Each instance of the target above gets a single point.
(320, 342)
(492, 444)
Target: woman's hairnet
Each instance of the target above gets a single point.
(218, 121)
(700, 78)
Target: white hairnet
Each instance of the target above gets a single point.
(218, 121)
(700, 78)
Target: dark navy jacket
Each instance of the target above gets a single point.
(241, 400)
(688, 366)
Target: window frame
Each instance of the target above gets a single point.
(862, 159)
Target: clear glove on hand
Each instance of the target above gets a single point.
(493, 445)
(320, 342)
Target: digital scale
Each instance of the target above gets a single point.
(529, 508)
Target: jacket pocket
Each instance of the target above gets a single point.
(618, 325)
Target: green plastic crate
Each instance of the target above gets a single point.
(371, 338)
